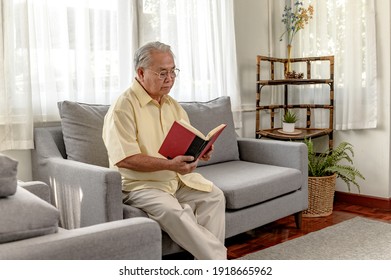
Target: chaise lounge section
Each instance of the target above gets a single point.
(29, 228)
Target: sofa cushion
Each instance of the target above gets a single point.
(25, 215)
(8, 180)
(82, 126)
(247, 183)
(207, 115)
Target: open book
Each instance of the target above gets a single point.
(184, 139)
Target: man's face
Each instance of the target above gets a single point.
(149, 78)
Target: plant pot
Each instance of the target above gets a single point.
(288, 127)
(320, 196)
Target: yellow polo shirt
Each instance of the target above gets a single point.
(136, 124)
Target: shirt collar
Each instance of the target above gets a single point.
(142, 95)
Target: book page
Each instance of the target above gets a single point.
(214, 130)
(192, 129)
(199, 133)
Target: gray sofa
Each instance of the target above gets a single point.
(29, 228)
(263, 180)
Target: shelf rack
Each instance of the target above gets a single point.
(310, 131)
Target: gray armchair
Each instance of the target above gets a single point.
(29, 228)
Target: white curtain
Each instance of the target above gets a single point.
(77, 50)
(15, 95)
(345, 29)
(82, 50)
(202, 35)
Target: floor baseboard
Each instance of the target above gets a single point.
(363, 200)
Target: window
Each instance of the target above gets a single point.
(345, 29)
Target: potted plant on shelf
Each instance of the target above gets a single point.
(289, 121)
(323, 169)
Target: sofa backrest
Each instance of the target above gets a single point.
(207, 115)
(82, 129)
(82, 126)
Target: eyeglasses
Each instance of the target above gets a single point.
(164, 73)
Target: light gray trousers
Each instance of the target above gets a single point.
(195, 220)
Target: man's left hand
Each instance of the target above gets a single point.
(208, 154)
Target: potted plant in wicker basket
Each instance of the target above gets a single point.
(323, 169)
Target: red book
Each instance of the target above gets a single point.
(184, 139)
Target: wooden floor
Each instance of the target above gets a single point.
(285, 229)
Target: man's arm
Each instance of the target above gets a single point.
(145, 163)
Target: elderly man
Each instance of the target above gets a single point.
(187, 206)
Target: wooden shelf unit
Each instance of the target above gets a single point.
(310, 131)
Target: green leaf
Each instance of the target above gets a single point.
(338, 160)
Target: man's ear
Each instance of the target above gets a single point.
(140, 74)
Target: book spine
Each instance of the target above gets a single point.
(196, 147)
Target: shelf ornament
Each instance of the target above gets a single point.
(294, 19)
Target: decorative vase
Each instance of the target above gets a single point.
(288, 127)
(320, 196)
(289, 64)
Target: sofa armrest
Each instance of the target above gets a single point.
(37, 188)
(136, 239)
(90, 194)
(85, 194)
(273, 152)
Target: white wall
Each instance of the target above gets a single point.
(372, 147)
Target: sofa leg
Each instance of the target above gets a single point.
(299, 219)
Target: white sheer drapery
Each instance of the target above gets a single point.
(55, 50)
(16, 130)
(345, 29)
(82, 50)
(202, 35)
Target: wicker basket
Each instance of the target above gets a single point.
(320, 196)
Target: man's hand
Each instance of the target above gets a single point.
(208, 154)
(183, 164)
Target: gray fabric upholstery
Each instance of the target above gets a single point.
(101, 186)
(21, 235)
(24, 215)
(207, 115)
(249, 218)
(82, 130)
(247, 183)
(37, 188)
(263, 180)
(8, 180)
(131, 239)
